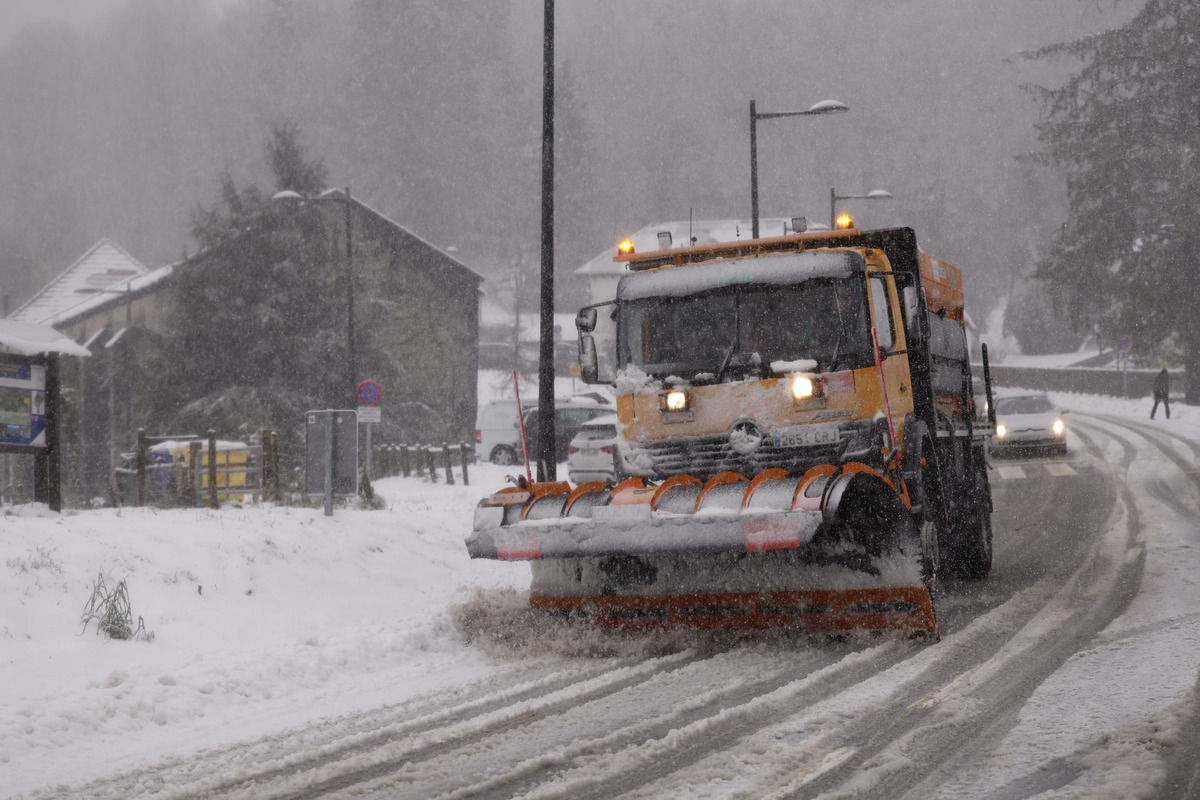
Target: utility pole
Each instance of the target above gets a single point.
(547, 468)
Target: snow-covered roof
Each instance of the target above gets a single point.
(704, 231)
(786, 268)
(89, 301)
(98, 270)
(31, 339)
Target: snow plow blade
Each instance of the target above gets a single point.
(834, 549)
(908, 609)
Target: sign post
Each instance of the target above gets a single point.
(1123, 362)
(369, 412)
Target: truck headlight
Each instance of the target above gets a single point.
(677, 400)
(802, 387)
(1001, 431)
(1058, 427)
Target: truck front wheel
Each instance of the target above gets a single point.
(971, 555)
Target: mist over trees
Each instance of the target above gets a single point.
(430, 111)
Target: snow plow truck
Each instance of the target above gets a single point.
(797, 417)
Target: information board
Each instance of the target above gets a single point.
(22, 402)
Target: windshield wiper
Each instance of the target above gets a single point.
(728, 358)
(837, 345)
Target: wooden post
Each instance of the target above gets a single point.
(404, 465)
(419, 458)
(212, 469)
(47, 463)
(446, 464)
(430, 463)
(270, 465)
(465, 454)
(193, 478)
(142, 453)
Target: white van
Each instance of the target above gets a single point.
(498, 433)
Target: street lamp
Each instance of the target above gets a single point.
(343, 197)
(823, 107)
(834, 197)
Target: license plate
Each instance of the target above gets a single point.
(807, 436)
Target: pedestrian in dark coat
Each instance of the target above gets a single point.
(1162, 391)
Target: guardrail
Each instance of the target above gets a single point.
(1132, 383)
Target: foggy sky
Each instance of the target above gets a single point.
(662, 89)
(16, 14)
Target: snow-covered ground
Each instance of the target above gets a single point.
(265, 617)
(261, 617)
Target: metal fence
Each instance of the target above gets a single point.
(421, 460)
(189, 471)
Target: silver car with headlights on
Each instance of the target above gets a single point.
(1029, 423)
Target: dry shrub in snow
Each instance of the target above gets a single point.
(112, 613)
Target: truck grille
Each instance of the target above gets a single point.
(705, 456)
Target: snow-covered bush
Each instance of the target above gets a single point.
(112, 613)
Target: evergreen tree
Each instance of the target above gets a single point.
(254, 340)
(1124, 127)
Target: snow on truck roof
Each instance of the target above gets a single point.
(784, 268)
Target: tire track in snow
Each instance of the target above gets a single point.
(633, 770)
(223, 770)
(950, 714)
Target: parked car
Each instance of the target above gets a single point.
(592, 454)
(569, 417)
(497, 432)
(1029, 422)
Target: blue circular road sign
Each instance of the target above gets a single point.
(368, 393)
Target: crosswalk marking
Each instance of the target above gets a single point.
(1011, 472)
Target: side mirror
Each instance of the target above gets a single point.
(589, 369)
(585, 320)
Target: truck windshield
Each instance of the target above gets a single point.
(735, 331)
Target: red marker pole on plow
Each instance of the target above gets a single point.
(521, 420)
(887, 406)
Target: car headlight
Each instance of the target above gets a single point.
(802, 387)
(1059, 427)
(677, 400)
(1001, 431)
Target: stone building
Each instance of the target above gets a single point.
(416, 302)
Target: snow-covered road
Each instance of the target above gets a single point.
(1070, 672)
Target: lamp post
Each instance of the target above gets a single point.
(343, 197)
(834, 197)
(823, 107)
(546, 459)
